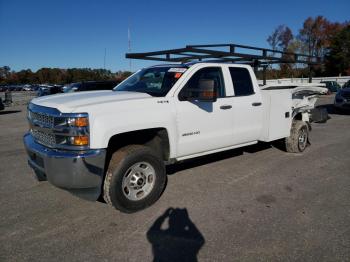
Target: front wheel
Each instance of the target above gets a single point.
(135, 178)
(299, 136)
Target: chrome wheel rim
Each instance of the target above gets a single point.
(138, 181)
(302, 139)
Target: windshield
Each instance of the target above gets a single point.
(155, 81)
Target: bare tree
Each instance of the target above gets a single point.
(280, 38)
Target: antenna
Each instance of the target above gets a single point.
(104, 60)
(129, 43)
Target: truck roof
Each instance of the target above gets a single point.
(189, 64)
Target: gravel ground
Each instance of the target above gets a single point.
(253, 204)
(20, 97)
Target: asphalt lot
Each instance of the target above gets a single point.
(253, 204)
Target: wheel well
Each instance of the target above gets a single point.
(298, 116)
(155, 138)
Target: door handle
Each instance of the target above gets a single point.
(225, 107)
(257, 104)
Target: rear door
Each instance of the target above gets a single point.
(247, 105)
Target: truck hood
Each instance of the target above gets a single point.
(67, 103)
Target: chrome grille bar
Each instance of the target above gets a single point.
(44, 138)
(41, 119)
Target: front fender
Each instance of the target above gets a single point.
(106, 125)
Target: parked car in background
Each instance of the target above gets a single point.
(342, 99)
(347, 84)
(35, 87)
(27, 88)
(2, 106)
(90, 86)
(16, 88)
(45, 90)
(3, 88)
(332, 86)
(11, 88)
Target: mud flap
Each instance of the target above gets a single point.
(319, 115)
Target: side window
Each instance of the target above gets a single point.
(204, 75)
(242, 83)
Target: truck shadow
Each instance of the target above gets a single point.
(9, 112)
(174, 237)
(204, 160)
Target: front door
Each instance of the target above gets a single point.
(204, 126)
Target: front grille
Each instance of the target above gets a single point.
(38, 119)
(42, 119)
(44, 138)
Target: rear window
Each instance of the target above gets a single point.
(242, 83)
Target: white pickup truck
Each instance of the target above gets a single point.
(117, 143)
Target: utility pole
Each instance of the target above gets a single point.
(104, 60)
(129, 44)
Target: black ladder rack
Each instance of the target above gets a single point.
(254, 56)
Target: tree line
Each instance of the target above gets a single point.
(58, 76)
(318, 37)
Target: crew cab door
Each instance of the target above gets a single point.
(246, 104)
(203, 126)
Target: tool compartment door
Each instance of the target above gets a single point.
(277, 114)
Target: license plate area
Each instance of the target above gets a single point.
(37, 159)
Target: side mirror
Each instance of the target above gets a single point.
(204, 92)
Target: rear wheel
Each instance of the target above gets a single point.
(135, 178)
(298, 139)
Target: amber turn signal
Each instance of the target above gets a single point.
(80, 140)
(81, 121)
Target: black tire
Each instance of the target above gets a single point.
(294, 143)
(122, 162)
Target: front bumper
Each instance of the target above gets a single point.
(80, 172)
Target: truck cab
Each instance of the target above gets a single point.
(224, 101)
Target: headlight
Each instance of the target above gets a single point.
(75, 131)
(72, 131)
